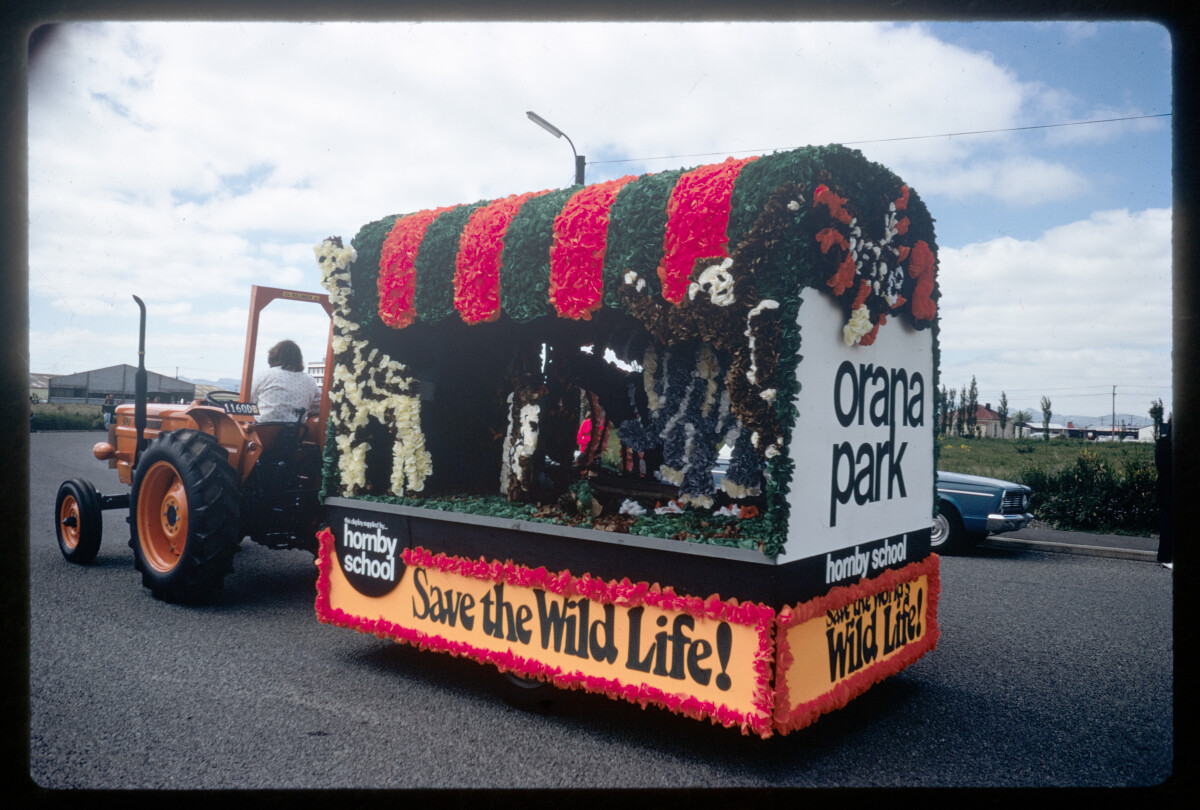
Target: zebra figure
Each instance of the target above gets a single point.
(696, 401)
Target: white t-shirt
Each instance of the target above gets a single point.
(279, 393)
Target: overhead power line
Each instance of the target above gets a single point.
(898, 138)
(1104, 388)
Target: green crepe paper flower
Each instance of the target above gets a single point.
(688, 526)
(331, 479)
(364, 272)
(525, 261)
(636, 227)
(433, 298)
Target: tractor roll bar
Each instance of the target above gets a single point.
(259, 298)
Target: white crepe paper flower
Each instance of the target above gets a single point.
(858, 326)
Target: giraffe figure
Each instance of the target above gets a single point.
(368, 386)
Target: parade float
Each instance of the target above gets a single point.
(667, 438)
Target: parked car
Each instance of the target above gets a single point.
(724, 456)
(970, 507)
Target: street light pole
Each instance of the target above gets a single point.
(558, 133)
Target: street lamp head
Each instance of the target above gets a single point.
(544, 124)
(557, 133)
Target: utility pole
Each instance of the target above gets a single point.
(1113, 425)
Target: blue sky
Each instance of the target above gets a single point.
(1104, 71)
(184, 162)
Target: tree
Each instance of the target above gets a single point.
(1002, 412)
(948, 413)
(1156, 413)
(1046, 418)
(939, 409)
(962, 412)
(972, 406)
(1021, 419)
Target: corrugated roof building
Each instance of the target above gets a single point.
(93, 386)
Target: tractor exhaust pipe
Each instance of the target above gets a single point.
(139, 384)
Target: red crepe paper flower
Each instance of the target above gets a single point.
(844, 276)
(869, 337)
(876, 283)
(836, 204)
(697, 223)
(921, 268)
(577, 253)
(477, 263)
(828, 237)
(864, 289)
(397, 267)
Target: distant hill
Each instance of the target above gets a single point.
(1126, 419)
(223, 384)
(1130, 420)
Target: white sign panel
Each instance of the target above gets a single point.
(863, 441)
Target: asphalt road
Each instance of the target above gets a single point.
(1053, 670)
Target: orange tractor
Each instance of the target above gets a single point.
(203, 476)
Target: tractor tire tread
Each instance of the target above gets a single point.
(214, 514)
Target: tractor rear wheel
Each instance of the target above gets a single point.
(185, 516)
(78, 522)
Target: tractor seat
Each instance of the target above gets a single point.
(276, 435)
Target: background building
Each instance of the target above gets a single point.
(987, 424)
(39, 387)
(91, 387)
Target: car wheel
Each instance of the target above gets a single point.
(947, 535)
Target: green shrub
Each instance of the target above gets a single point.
(66, 417)
(1095, 494)
(66, 421)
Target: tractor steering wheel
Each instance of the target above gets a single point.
(219, 398)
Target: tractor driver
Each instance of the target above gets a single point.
(285, 389)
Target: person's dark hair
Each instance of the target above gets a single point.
(286, 355)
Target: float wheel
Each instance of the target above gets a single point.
(527, 694)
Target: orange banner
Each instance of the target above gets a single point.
(699, 657)
(832, 649)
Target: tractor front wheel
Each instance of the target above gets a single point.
(78, 522)
(185, 513)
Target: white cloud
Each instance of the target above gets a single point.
(1018, 181)
(1079, 31)
(1049, 313)
(139, 132)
